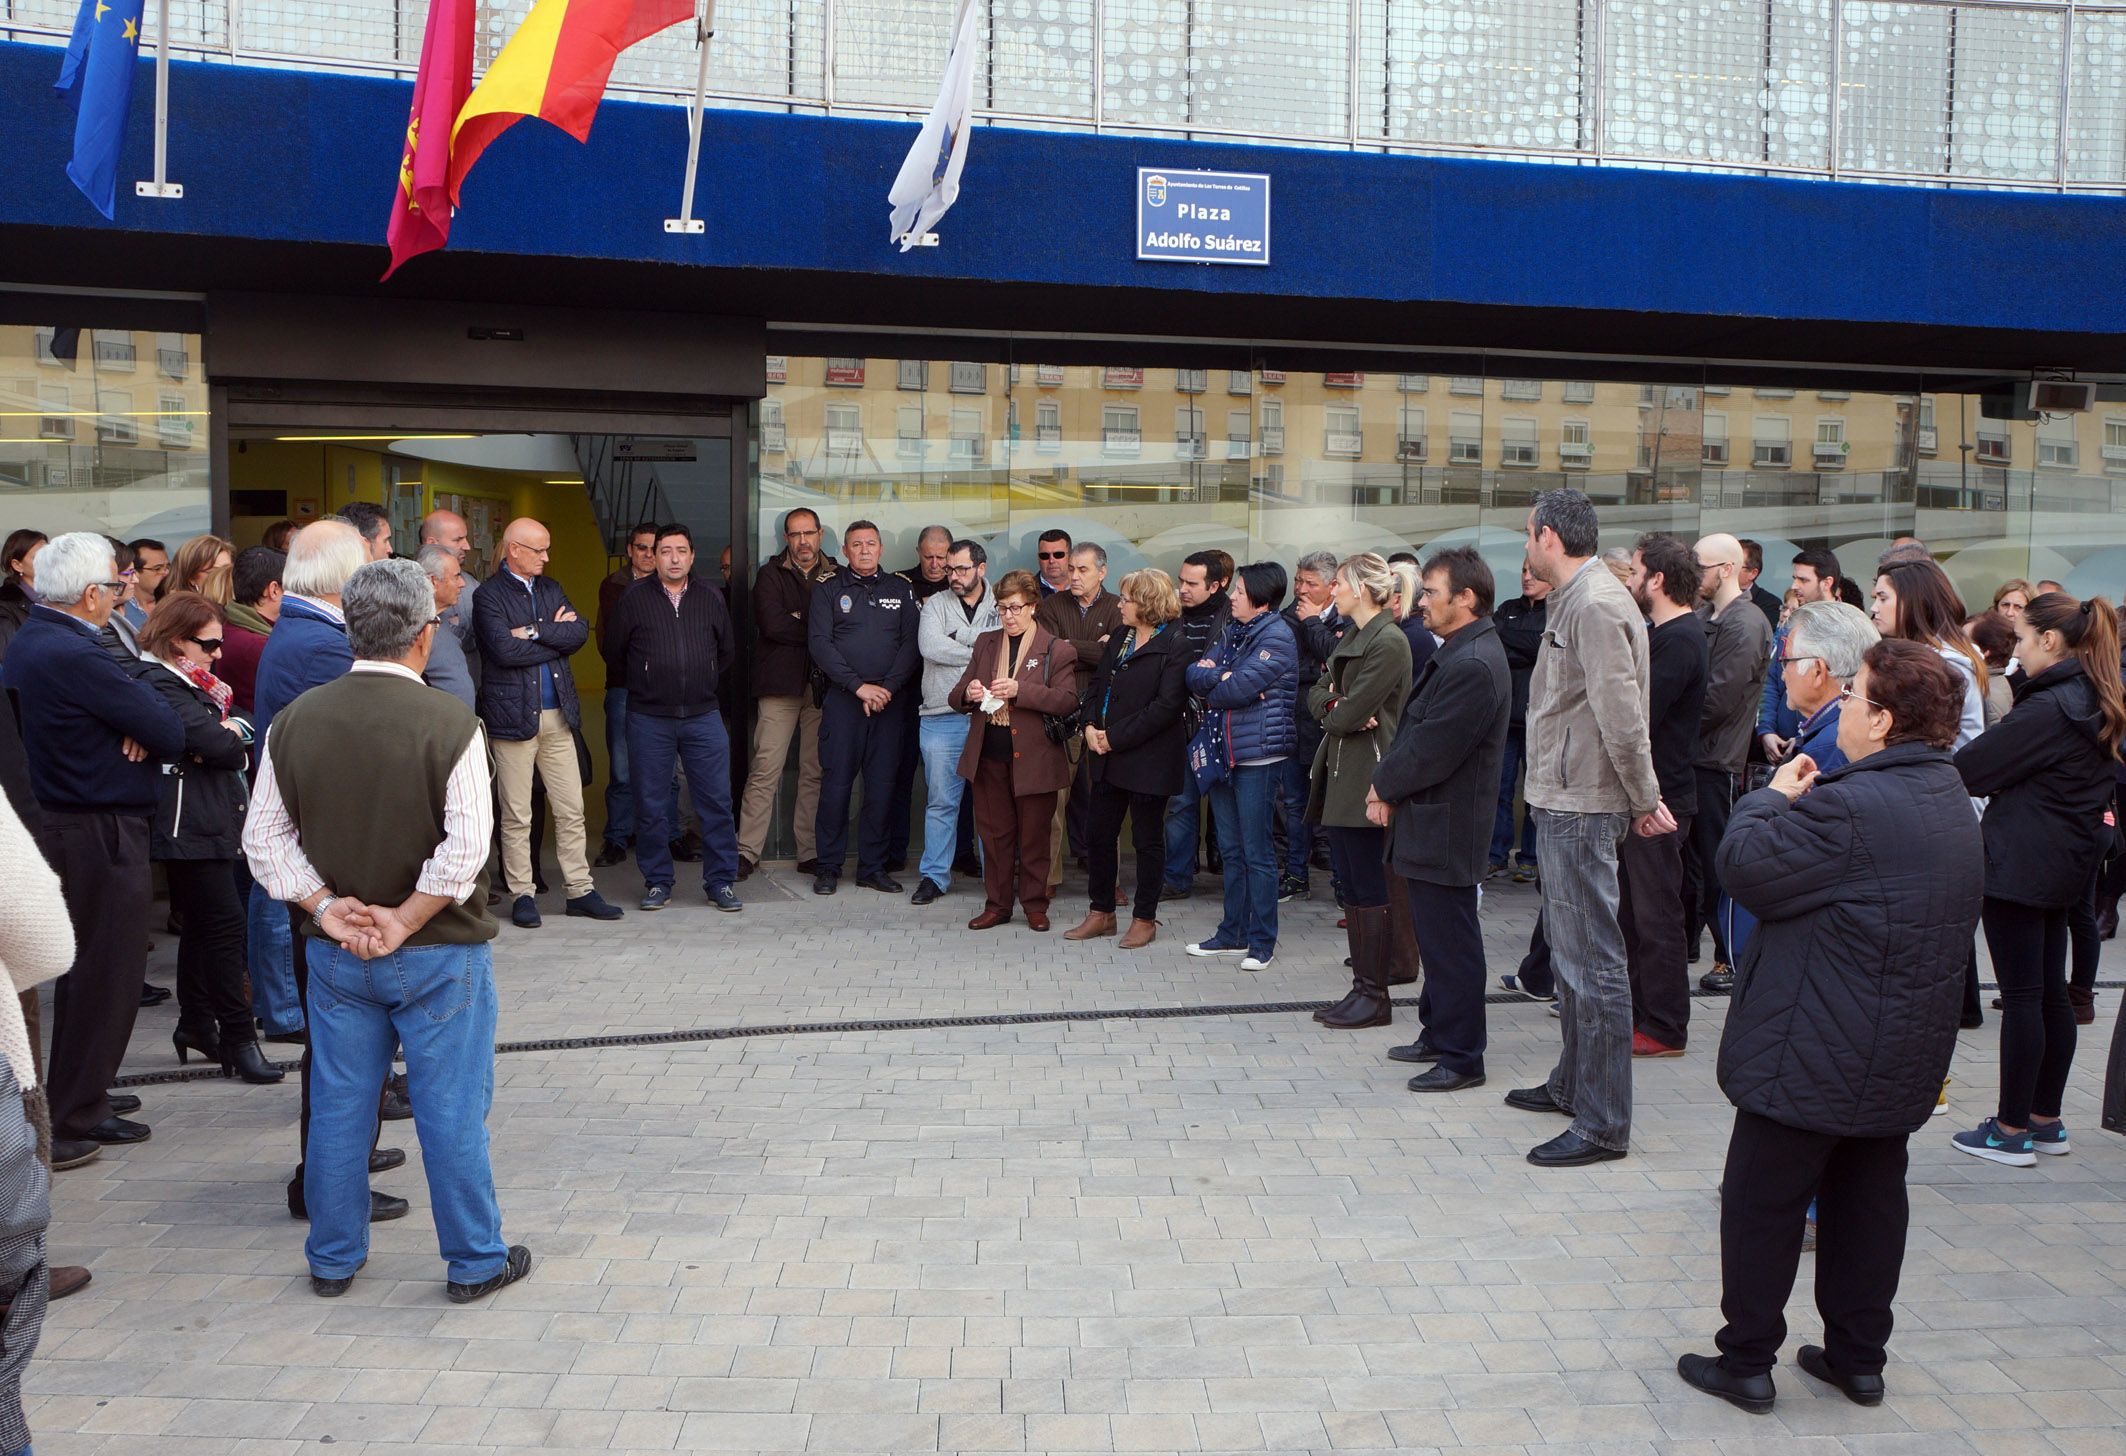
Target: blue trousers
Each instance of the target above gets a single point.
(619, 782)
(438, 1002)
(853, 742)
(941, 737)
(1509, 776)
(269, 951)
(1242, 805)
(700, 742)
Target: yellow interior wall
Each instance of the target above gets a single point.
(306, 471)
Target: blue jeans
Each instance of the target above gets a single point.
(1243, 805)
(438, 1002)
(619, 785)
(941, 736)
(1593, 1074)
(270, 955)
(1184, 823)
(1509, 775)
(657, 745)
(1294, 774)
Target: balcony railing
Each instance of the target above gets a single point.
(1993, 93)
(1273, 439)
(1122, 442)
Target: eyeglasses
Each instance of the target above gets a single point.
(1055, 555)
(1012, 609)
(1788, 660)
(109, 586)
(1846, 694)
(208, 645)
(129, 573)
(156, 569)
(956, 570)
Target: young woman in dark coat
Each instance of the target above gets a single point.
(1865, 882)
(2047, 772)
(1136, 751)
(197, 835)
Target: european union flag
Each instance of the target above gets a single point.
(97, 76)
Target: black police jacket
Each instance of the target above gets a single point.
(861, 629)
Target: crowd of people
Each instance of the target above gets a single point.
(340, 757)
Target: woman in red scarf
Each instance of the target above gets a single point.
(197, 835)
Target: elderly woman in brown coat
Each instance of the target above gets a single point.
(1019, 675)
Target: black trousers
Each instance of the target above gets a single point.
(102, 860)
(2084, 940)
(853, 742)
(210, 952)
(1452, 1003)
(900, 822)
(1650, 911)
(1701, 884)
(1078, 807)
(1105, 807)
(2029, 949)
(297, 919)
(1861, 1216)
(1361, 870)
(1535, 974)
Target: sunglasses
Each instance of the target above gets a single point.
(1054, 555)
(208, 645)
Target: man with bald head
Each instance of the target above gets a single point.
(447, 530)
(1739, 647)
(527, 631)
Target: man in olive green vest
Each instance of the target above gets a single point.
(372, 813)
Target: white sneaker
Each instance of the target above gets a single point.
(1249, 963)
(1205, 948)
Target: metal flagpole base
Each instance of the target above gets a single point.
(685, 225)
(159, 189)
(927, 240)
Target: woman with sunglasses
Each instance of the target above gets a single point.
(197, 835)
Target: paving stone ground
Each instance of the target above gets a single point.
(1204, 1234)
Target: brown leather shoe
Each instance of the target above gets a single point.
(1036, 920)
(1141, 933)
(68, 1279)
(989, 919)
(1095, 924)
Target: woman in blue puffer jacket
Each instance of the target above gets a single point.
(1249, 683)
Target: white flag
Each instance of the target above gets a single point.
(930, 178)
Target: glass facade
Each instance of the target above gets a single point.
(2012, 93)
(103, 430)
(1263, 462)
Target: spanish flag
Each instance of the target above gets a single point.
(555, 67)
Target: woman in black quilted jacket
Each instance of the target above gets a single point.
(1866, 884)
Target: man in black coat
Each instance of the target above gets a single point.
(527, 631)
(1317, 628)
(1520, 628)
(673, 637)
(1866, 884)
(1435, 790)
(1204, 582)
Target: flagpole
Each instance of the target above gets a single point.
(686, 222)
(161, 186)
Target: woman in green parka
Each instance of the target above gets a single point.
(1358, 701)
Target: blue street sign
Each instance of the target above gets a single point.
(1203, 217)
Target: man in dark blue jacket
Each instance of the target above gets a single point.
(861, 634)
(527, 630)
(672, 637)
(93, 733)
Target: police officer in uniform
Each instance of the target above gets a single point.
(861, 631)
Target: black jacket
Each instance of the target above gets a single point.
(1139, 704)
(2046, 777)
(1676, 657)
(204, 793)
(861, 629)
(509, 680)
(1317, 637)
(1201, 624)
(1442, 771)
(782, 607)
(1520, 626)
(675, 658)
(1866, 891)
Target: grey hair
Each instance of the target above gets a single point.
(69, 565)
(1572, 515)
(1618, 560)
(386, 604)
(1368, 575)
(431, 558)
(1833, 631)
(323, 555)
(1321, 563)
(929, 531)
(1088, 548)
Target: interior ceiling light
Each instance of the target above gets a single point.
(314, 439)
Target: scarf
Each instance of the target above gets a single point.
(222, 693)
(248, 619)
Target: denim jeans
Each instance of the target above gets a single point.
(1242, 805)
(657, 744)
(941, 736)
(1509, 775)
(1293, 774)
(270, 953)
(438, 1002)
(1184, 823)
(619, 790)
(1593, 1075)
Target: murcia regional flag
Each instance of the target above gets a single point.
(930, 178)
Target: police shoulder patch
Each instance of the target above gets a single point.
(846, 602)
